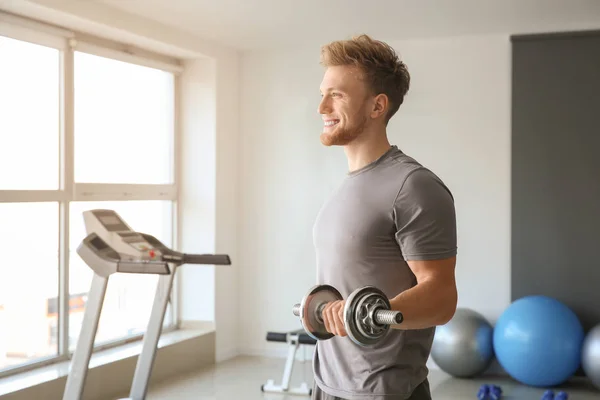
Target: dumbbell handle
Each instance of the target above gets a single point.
(381, 317)
(296, 310)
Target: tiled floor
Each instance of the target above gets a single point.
(242, 377)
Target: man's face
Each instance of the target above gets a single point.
(344, 105)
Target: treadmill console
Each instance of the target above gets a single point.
(100, 247)
(113, 230)
(105, 261)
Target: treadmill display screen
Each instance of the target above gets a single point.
(112, 223)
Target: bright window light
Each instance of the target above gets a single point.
(29, 284)
(29, 116)
(123, 122)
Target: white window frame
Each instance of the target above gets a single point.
(67, 42)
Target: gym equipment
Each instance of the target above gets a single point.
(590, 360)
(538, 341)
(549, 395)
(310, 308)
(483, 392)
(495, 392)
(112, 246)
(367, 313)
(464, 347)
(489, 392)
(294, 339)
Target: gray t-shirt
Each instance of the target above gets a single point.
(383, 214)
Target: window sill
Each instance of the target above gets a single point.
(184, 337)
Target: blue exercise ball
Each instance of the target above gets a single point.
(538, 341)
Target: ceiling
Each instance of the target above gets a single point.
(259, 24)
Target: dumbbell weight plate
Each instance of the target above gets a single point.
(317, 296)
(359, 315)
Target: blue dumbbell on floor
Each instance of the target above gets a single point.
(549, 395)
(489, 392)
(484, 392)
(495, 392)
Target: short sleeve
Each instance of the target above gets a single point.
(425, 218)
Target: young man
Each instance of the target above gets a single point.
(391, 224)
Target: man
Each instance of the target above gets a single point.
(391, 224)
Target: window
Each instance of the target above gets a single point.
(82, 127)
(29, 235)
(29, 126)
(133, 129)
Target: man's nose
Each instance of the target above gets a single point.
(324, 106)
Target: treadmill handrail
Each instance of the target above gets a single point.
(212, 259)
(177, 257)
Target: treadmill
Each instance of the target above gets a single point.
(111, 246)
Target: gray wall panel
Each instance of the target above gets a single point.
(556, 170)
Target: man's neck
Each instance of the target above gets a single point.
(365, 150)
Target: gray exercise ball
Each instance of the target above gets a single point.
(464, 347)
(590, 355)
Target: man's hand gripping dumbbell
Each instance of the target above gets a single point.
(366, 314)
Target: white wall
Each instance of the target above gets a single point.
(197, 193)
(208, 205)
(456, 120)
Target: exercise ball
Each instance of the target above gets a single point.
(538, 341)
(590, 359)
(463, 347)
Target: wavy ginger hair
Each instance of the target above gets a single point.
(383, 71)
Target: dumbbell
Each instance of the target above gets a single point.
(549, 395)
(489, 392)
(367, 313)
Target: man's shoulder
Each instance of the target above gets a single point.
(407, 168)
(414, 176)
(422, 183)
(401, 164)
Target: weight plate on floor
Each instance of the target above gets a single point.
(316, 297)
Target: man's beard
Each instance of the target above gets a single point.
(341, 136)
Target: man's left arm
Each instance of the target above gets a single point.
(433, 300)
(425, 221)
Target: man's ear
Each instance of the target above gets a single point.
(380, 106)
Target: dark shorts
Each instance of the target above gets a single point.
(422, 392)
